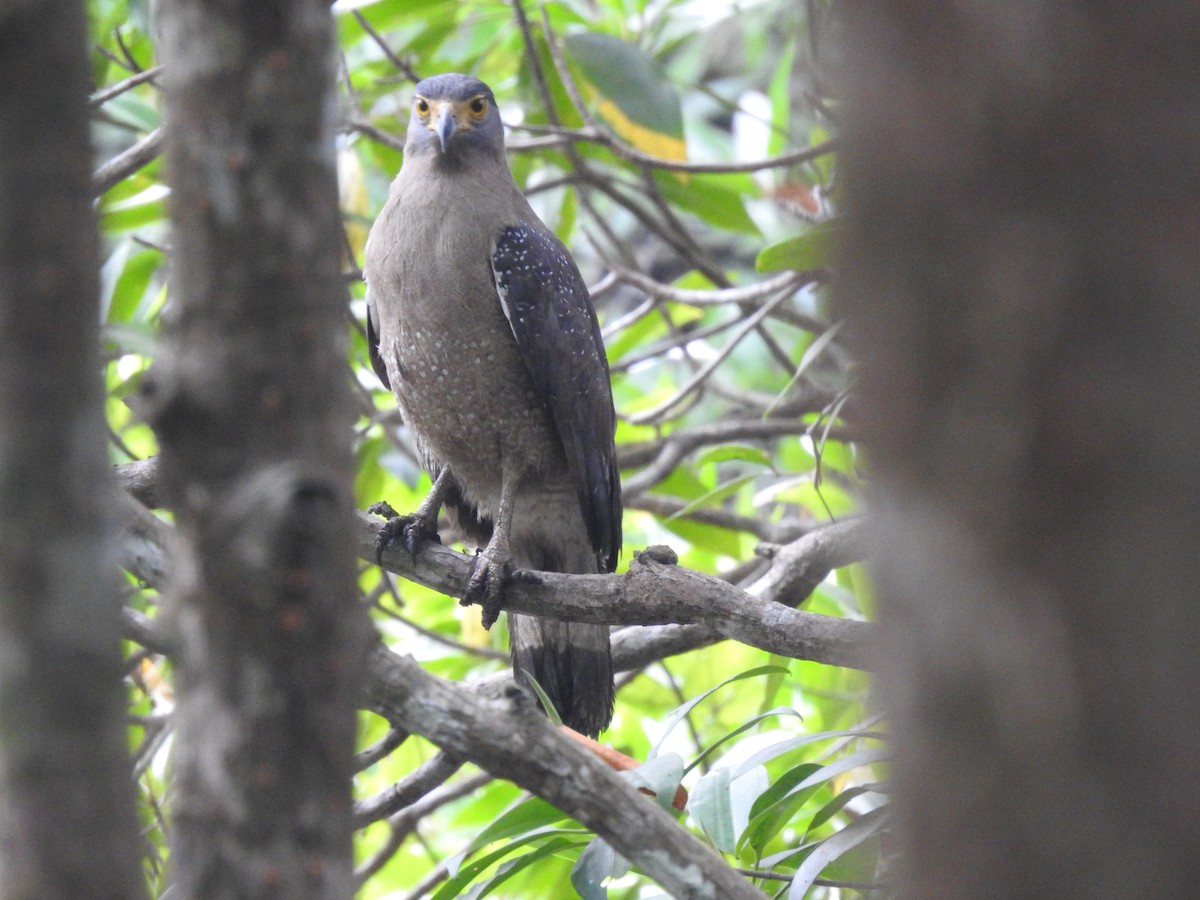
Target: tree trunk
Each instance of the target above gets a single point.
(67, 824)
(1023, 279)
(250, 402)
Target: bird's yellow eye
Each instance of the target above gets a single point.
(421, 106)
(478, 107)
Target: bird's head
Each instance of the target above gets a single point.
(453, 116)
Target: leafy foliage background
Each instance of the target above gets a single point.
(782, 758)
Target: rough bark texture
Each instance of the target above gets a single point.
(1023, 279)
(652, 592)
(67, 825)
(530, 752)
(248, 399)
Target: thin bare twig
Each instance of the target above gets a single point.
(401, 64)
(128, 161)
(431, 774)
(103, 95)
(362, 126)
(599, 135)
(660, 457)
(406, 820)
(658, 412)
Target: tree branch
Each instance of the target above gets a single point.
(511, 740)
(650, 593)
(128, 161)
(654, 593)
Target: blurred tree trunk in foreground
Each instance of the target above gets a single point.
(67, 825)
(1023, 278)
(250, 402)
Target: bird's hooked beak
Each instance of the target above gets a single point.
(444, 124)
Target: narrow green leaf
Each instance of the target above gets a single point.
(544, 698)
(781, 747)
(745, 726)
(527, 816)
(729, 452)
(711, 539)
(124, 278)
(830, 849)
(463, 876)
(834, 806)
(802, 252)
(677, 715)
(776, 806)
(130, 108)
(814, 349)
(637, 336)
(135, 212)
(516, 866)
(715, 496)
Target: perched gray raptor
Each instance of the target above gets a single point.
(480, 323)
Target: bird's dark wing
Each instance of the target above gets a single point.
(551, 315)
(373, 341)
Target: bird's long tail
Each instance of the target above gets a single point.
(572, 663)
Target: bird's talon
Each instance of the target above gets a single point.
(410, 531)
(486, 587)
(527, 576)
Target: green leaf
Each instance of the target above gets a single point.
(713, 497)
(745, 726)
(802, 252)
(544, 698)
(834, 806)
(124, 278)
(130, 108)
(711, 199)
(131, 337)
(596, 864)
(678, 714)
(788, 744)
(660, 775)
(703, 536)
(830, 849)
(141, 209)
(776, 806)
(468, 873)
(527, 816)
(741, 452)
(710, 807)
(516, 866)
(636, 337)
(630, 92)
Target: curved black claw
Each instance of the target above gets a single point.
(410, 531)
(486, 586)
